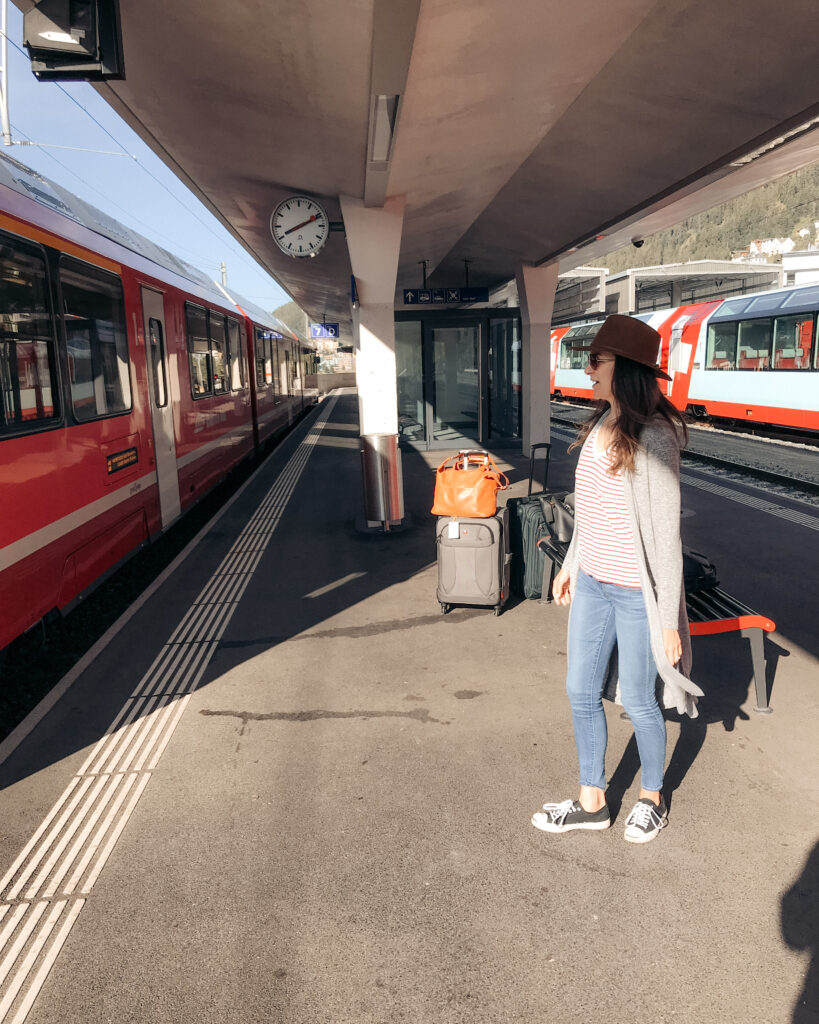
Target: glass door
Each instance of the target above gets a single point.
(456, 385)
(409, 368)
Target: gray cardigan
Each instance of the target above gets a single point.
(652, 493)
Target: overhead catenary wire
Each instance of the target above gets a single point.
(227, 240)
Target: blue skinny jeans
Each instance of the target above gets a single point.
(602, 614)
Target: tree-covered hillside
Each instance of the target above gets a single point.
(294, 316)
(779, 209)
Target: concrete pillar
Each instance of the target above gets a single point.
(374, 239)
(536, 289)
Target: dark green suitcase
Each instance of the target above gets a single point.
(526, 526)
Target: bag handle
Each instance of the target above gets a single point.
(490, 470)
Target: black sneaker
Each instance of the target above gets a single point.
(568, 815)
(645, 821)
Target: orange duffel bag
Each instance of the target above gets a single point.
(468, 488)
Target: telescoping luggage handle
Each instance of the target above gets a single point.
(533, 448)
(472, 458)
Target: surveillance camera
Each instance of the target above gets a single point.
(638, 242)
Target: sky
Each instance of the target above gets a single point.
(141, 193)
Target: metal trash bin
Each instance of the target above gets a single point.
(382, 479)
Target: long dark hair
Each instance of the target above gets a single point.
(640, 400)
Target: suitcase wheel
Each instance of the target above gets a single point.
(444, 607)
(497, 609)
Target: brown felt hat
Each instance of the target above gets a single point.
(626, 336)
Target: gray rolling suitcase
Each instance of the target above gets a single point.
(473, 561)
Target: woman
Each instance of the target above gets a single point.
(623, 577)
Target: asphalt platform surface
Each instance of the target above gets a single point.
(331, 820)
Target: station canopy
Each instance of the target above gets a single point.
(524, 132)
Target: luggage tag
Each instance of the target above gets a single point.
(453, 530)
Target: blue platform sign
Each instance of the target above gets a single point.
(324, 330)
(444, 296)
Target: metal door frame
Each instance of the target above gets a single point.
(429, 318)
(162, 424)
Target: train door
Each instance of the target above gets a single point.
(679, 353)
(153, 313)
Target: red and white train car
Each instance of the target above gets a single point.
(753, 358)
(128, 384)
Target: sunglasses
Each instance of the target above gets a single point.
(595, 359)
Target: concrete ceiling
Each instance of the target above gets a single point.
(526, 130)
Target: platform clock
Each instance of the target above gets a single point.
(299, 226)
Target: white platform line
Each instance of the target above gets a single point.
(11, 924)
(30, 919)
(52, 814)
(48, 962)
(146, 739)
(171, 708)
(82, 839)
(45, 846)
(112, 841)
(117, 738)
(79, 871)
(178, 664)
(193, 680)
(123, 712)
(183, 703)
(179, 635)
(145, 723)
(23, 971)
(59, 847)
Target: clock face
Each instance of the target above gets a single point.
(299, 226)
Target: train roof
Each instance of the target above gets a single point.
(27, 182)
(783, 301)
(261, 316)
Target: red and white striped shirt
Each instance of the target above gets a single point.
(605, 537)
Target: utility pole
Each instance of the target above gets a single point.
(4, 76)
(223, 268)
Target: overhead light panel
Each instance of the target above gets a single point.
(382, 127)
(74, 40)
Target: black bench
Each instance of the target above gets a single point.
(710, 611)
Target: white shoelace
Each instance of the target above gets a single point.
(559, 812)
(642, 816)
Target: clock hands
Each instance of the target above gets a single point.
(303, 224)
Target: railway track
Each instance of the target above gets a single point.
(792, 464)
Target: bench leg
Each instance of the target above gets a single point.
(756, 638)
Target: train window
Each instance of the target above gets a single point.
(763, 304)
(96, 341)
(156, 347)
(199, 353)
(269, 356)
(27, 368)
(721, 352)
(278, 347)
(793, 342)
(754, 345)
(258, 356)
(235, 360)
(570, 357)
(805, 297)
(218, 352)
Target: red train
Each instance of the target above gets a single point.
(753, 358)
(130, 385)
